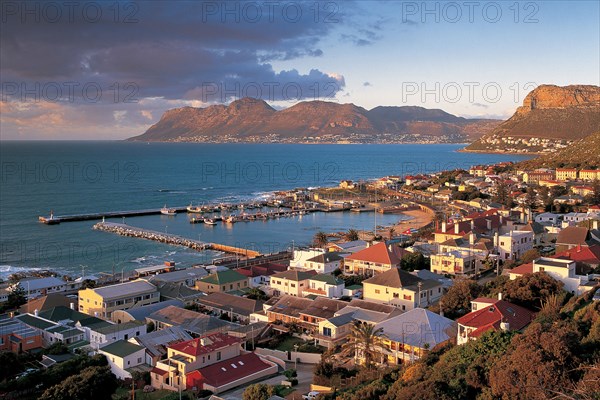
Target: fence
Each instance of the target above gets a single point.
(290, 356)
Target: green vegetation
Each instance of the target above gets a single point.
(258, 391)
(364, 340)
(414, 261)
(320, 239)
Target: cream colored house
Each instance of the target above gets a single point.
(102, 301)
(122, 355)
(292, 282)
(399, 288)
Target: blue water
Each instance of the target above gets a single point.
(76, 177)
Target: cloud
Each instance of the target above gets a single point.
(367, 84)
(481, 105)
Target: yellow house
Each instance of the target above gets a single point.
(399, 288)
(102, 301)
(374, 259)
(334, 330)
(222, 281)
(456, 262)
(292, 282)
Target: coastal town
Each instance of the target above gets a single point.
(479, 256)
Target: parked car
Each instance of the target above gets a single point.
(310, 395)
(596, 295)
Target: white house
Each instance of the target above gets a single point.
(547, 218)
(110, 333)
(512, 245)
(122, 355)
(303, 255)
(324, 263)
(564, 271)
(36, 287)
(573, 218)
(325, 285)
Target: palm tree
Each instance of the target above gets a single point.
(351, 235)
(320, 239)
(391, 233)
(364, 341)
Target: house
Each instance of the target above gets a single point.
(539, 233)
(212, 362)
(103, 301)
(547, 218)
(534, 178)
(36, 287)
(399, 288)
(491, 314)
(123, 355)
(408, 336)
(187, 276)
(589, 174)
(292, 282)
(140, 313)
(236, 307)
(456, 263)
(222, 281)
(574, 236)
(347, 247)
(288, 308)
(374, 259)
(512, 245)
(561, 269)
(177, 291)
(574, 218)
(156, 342)
(4, 295)
(325, 263)
(319, 310)
(582, 190)
(194, 323)
(346, 184)
(259, 276)
(302, 255)
(46, 303)
(589, 256)
(18, 337)
(52, 332)
(100, 337)
(324, 285)
(333, 331)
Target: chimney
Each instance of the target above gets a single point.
(505, 326)
(36, 312)
(72, 306)
(489, 223)
(579, 248)
(500, 296)
(472, 225)
(390, 248)
(523, 220)
(472, 239)
(496, 239)
(456, 228)
(444, 226)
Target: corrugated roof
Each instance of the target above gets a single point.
(295, 275)
(395, 277)
(126, 289)
(121, 348)
(417, 327)
(140, 313)
(328, 279)
(223, 277)
(380, 253)
(213, 342)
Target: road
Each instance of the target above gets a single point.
(304, 381)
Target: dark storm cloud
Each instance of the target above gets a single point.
(168, 49)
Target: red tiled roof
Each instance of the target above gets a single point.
(588, 255)
(490, 317)
(224, 372)
(215, 341)
(522, 269)
(379, 253)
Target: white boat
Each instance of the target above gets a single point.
(209, 221)
(168, 211)
(194, 209)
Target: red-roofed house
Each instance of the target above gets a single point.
(260, 275)
(521, 270)
(188, 356)
(374, 259)
(584, 255)
(495, 315)
(230, 373)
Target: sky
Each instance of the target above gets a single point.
(108, 70)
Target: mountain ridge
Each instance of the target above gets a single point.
(254, 120)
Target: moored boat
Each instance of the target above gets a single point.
(168, 211)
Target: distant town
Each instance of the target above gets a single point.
(485, 254)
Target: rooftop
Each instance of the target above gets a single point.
(223, 277)
(231, 370)
(419, 326)
(40, 283)
(121, 348)
(380, 253)
(328, 279)
(125, 289)
(490, 317)
(140, 313)
(206, 344)
(295, 275)
(226, 301)
(395, 278)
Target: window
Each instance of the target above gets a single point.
(293, 285)
(139, 360)
(407, 297)
(396, 295)
(327, 332)
(377, 291)
(218, 355)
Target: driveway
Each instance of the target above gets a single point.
(304, 380)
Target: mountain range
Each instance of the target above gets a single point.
(253, 120)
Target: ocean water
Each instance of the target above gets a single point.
(78, 177)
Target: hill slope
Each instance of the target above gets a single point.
(584, 153)
(551, 117)
(253, 120)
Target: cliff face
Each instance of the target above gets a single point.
(550, 118)
(254, 120)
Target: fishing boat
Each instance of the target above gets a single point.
(209, 221)
(168, 211)
(194, 209)
(230, 220)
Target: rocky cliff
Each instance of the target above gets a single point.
(551, 118)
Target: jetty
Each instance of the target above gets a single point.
(171, 239)
(57, 219)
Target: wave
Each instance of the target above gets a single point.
(7, 270)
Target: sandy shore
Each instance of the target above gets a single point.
(418, 219)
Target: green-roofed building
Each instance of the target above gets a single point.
(52, 331)
(222, 281)
(123, 355)
(103, 335)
